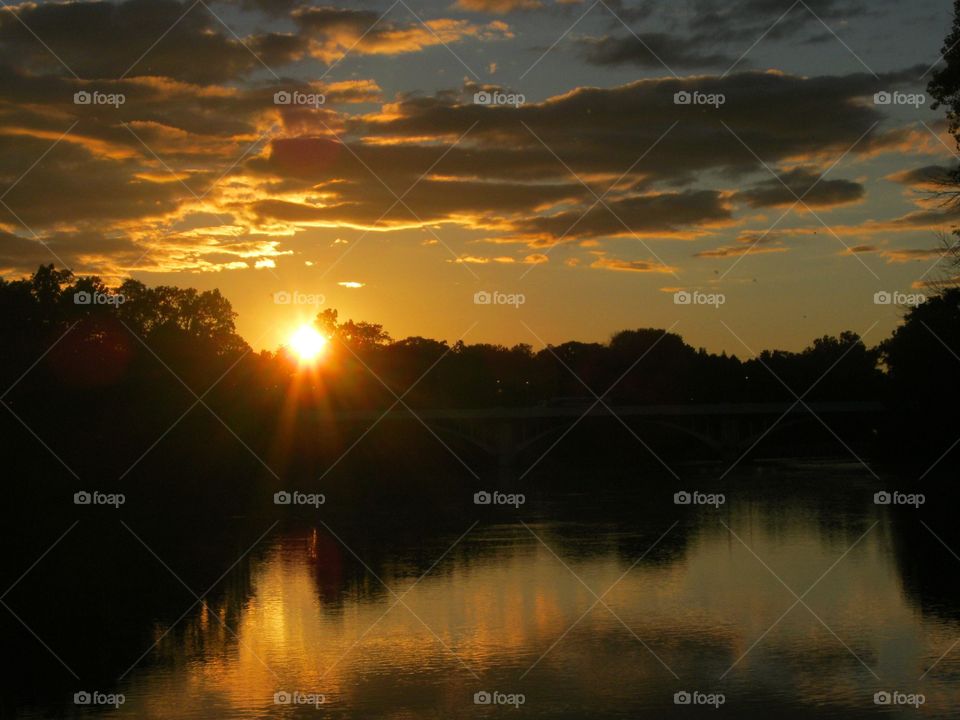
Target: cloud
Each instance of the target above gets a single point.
(99, 39)
(934, 218)
(499, 7)
(21, 253)
(532, 259)
(335, 31)
(74, 185)
(517, 175)
(483, 260)
(602, 130)
(930, 177)
(621, 11)
(179, 120)
(183, 41)
(803, 183)
(345, 179)
(655, 214)
(642, 266)
(514, 170)
(746, 20)
(712, 33)
(896, 255)
(142, 248)
(651, 50)
(726, 251)
(270, 7)
(206, 250)
(902, 255)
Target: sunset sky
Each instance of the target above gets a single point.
(400, 197)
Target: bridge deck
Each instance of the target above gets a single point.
(598, 410)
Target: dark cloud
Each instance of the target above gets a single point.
(329, 20)
(98, 40)
(195, 121)
(71, 184)
(603, 130)
(737, 251)
(714, 33)
(274, 8)
(805, 183)
(352, 175)
(629, 12)
(643, 214)
(498, 7)
(185, 125)
(714, 21)
(651, 50)
(517, 169)
(21, 253)
(930, 175)
(941, 217)
(479, 203)
(348, 184)
(336, 31)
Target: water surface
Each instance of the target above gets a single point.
(585, 612)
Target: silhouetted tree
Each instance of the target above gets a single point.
(923, 361)
(944, 84)
(944, 87)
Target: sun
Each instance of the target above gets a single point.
(307, 344)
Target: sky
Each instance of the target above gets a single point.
(403, 162)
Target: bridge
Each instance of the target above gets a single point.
(727, 429)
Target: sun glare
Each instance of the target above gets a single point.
(307, 344)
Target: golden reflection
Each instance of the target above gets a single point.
(305, 627)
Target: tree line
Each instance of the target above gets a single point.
(103, 348)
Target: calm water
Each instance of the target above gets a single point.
(508, 609)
